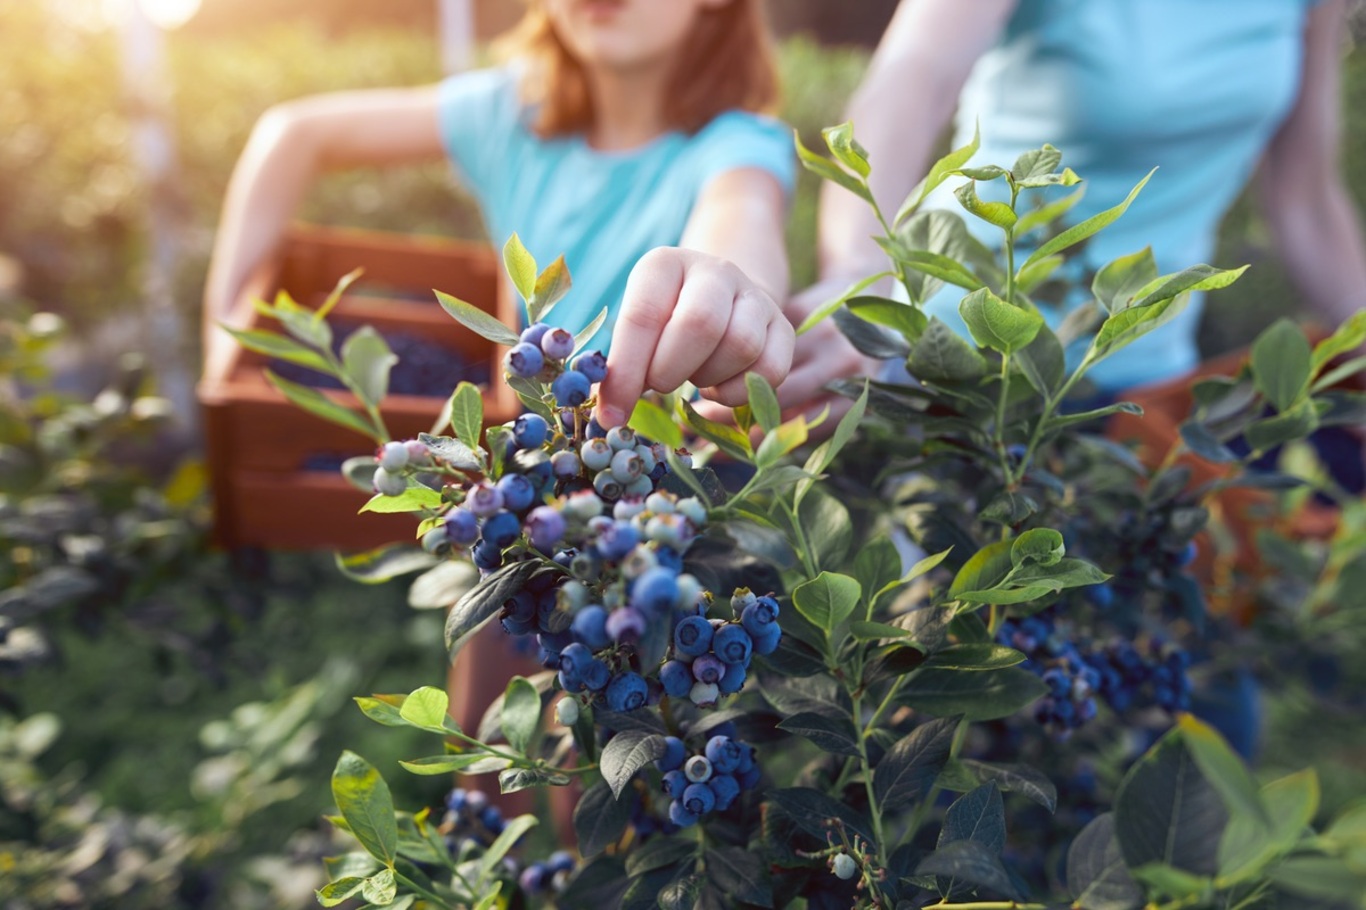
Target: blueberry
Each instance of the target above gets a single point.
(418, 453)
(607, 486)
(734, 679)
(530, 431)
(486, 555)
(626, 624)
(725, 788)
(626, 692)
(674, 783)
(532, 878)
(617, 539)
(681, 816)
(533, 333)
(621, 438)
(674, 753)
(596, 675)
(766, 642)
(647, 459)
(524, 360)
(693, 637)
(565, 464)
(697, 769)
(724, 754)
(707, 669)
(626, 466)
(677, 679)
(590, 627)
(591, 364)
(545, 526)
(561, 861)
(570, 681)
(492, 818)
(484, 499)
(518, 493)
(843, 866)
(388, 484)
(732, 644)
(571, 389)
(393, 457)
(557, 344)
(501, 529)
(699, 799)
(655, 592)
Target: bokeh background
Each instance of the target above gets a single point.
(192, 737)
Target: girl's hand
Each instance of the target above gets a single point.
(691, 316)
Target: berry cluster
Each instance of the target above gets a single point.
(548, 877)
(541, 354)
(711, 657)
(709, 781)
(1119, 672)
(471, 822)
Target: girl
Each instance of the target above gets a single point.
(625, 134)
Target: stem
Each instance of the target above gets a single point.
(1050, 405)
(988, 905)
(922, 810)
(999, 431)
(413, 886)
(806, 554)
(868, 786)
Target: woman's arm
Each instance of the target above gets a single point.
(1307, 204)
(707, 311)
(290, 146)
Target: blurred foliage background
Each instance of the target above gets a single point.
(73, 219)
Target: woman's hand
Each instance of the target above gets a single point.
(691, 316)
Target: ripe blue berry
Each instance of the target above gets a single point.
(545, 526)
(592, 364)
(674, 783)
(557, 344)
(626, 624)
(484, 499)
(486, 555)
(596, 675)
(626, 692)
(596, 454)
(561, 861)
(732, 644)
(724, 754)
(655, 591)
(726, 788)
(707, 669)
(388, 484)
(571, 389)
(674, 753)
(617, 539)
(501, 529)
(733, 681)
(518, 493)
(530, 431)
(699, 799)
(766, 642)
(575, 658)
(393, 457)
(533, 333)
(681, 816)
(693, 637)
(532, 878)
(676, 678)
(590, 627)
(641, 486)
(524, 360)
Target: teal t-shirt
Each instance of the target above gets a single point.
(1195, 88)
(601, 210)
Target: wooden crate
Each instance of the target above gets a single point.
(257, 443)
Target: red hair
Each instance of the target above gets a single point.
(725, 63)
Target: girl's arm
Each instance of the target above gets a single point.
(289, 147)
(707, 311)
(1306, 202)
(899, 111)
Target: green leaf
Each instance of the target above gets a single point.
(1047, 213)
(1120, 280)
(1067, 177)
(1171, 882)
(337, 892)
(383, 709)
(366, 805)
(875, 631)
(425, 708)
(1035, 274)
(520, 266)
(477, 321)
(827, 600)
(727, 438)
(1167, 812)
(984, 570)
(763, 403)
(876, 566)
(906, 772)
(483, 601)
(1042, 361)
(1281, 364)
(828, 170)
(467, 414)
(551, 285)
(997, 213)
(380, 888)
(1061, 421)
(1348, 336)
(521, 713)
(823, 311)
(936, 265)
(740, 874)
(869, 339)
(1096, 874)
(1296, 423)
(939, 172)
(1321, 877)
(1022, 779)
(1128, 325)
(279, 347)
(1194, 278)
(1222, 768)
(510, 780)
(975, 656)
(318, 404)
(625, 754)
(940, 355)
(443, 764)
(384, 563)
(1043, 546)
(780, 442)
(367, 360)
(840, 140)
(967, 862)
(1036, 163)
(1079, 232)
(977, 816)
(996, 324)
(584, 336)
(414, 499)
(511, 834)
(452, 451)
(1249, 845)
(335, 295)
(987, 695)
(829, 730)
(893, 314)
(652, 421)
(809, 808)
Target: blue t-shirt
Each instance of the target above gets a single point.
(1195, 88)
(601, 210)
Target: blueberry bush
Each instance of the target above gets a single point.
(833, 679)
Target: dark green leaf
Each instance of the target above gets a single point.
(318, 404)
(941, 355)
(1096, 874)
(1009, 508)
(1079, 232)
(968, 862)
(1223, 769)
(978, 816)
(484, 600)
(996, 324)
(827, 729)
(908, 769)
(378, 566)
(1296, 423)
(869, 339)
(1127, 326)
(1028, 782)
(1042, 362)
(1040, 546)
(827, 600)
(367, 360)
(987, 695)
(1249, 844)
(363, 798)
(976, 656)
(1281, 364)
(904, 318)
(1118, 281)
(1167, 812)
(659, 853)
(986, 569)
(727, 438)
(625, 754)
(521, 713)
(740, 875)
(827, 525)
(514, 779)
(1202, 442)
(811, 809)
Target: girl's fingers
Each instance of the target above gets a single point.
(773, 364)
(651, 292)
(696, 330)
(746, 336)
